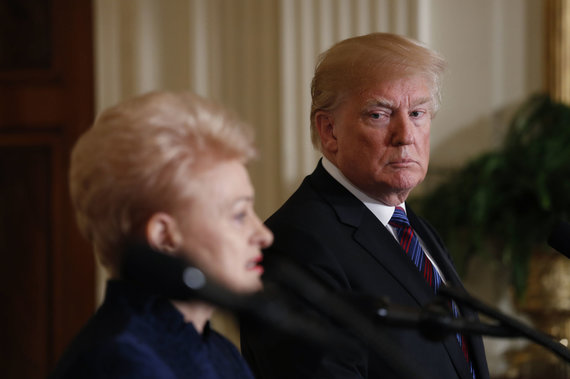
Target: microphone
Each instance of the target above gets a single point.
(174, 278)
(433, 320)
(517, 328)
(559, 239)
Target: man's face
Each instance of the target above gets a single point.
(380, 138)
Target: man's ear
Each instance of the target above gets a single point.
(163, 233)
(324, 123)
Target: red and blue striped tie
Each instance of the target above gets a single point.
(411, 246)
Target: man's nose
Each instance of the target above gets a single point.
(402, 130)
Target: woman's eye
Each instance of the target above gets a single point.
(240, 217)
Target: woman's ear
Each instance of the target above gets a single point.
(324, 122)
(162, 233)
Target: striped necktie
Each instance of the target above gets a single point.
(411, 246)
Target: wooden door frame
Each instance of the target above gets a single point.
(50, 108)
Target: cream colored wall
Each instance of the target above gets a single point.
(257, 57)
(494, 51)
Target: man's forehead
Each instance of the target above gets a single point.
(382, 88)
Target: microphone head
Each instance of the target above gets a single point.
(174, 278)
(156, 272)
(560, 238)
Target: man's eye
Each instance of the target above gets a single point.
(376, 115)
(416, 114)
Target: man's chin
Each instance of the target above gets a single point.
(405, 181)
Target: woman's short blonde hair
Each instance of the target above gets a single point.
(350, 65)
(137, 159)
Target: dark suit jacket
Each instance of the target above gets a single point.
(330, 232)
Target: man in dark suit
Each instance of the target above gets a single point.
(373, 99)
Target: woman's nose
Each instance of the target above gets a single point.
(263, 236)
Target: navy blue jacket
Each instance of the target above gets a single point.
(137, 335)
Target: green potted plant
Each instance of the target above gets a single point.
(504, 203)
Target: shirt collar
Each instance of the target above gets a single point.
(382, 211)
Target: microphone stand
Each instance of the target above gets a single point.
(173, 278)
(434, 321)
(517, 328)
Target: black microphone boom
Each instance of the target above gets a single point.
(517, 328)
(560, 238)
(173, 278)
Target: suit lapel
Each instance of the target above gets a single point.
(444, 263)
(376, 239)
(371, 235)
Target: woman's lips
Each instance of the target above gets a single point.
(255, 264)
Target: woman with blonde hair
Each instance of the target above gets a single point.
(167, 169)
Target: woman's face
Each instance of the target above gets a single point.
(221, 233)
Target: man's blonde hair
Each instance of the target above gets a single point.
(137, 159)
(350, 65)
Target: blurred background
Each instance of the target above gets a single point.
(62, 61)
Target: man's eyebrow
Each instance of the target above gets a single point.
(381, 102)
(385, 103)
(421, 101)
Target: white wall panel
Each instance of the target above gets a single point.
(309, 27)
(255, 56)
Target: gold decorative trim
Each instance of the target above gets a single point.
(557, 49)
